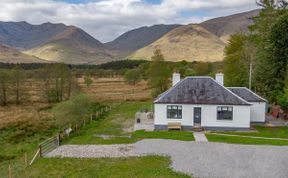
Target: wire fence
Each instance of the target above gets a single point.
(13, 168)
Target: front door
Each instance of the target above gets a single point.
(197, 116)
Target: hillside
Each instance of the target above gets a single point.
(10, 55)
(223, 27)
(189, 42)
(54, 42)
(73, 46)
(138, 38)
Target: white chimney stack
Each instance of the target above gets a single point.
(176, 78)
(220, 78)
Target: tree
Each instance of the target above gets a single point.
(17, 79)
(58, 82)
(202, 68)
(158, 73)
(239, 57)
(133, 76)
(265, 71)
(279, 56)
(272, 3)
(87, 80)
(4, 79)
(73, 111)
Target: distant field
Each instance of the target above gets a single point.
(102, 89)
(115, 89)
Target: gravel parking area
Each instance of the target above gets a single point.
(93, 151)
(200, 159)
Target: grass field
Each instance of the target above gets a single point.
(115, 89)
(101, 90)
(22, 128)
(140, 167)
(119, 123)
(262, 131)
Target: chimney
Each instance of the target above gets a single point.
(175, 78)
(220, 78)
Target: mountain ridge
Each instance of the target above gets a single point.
(70, 44)
(135, 39)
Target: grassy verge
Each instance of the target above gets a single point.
(262, 131)
(135, 136)
(119, 122)
(150, 166)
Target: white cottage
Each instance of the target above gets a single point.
(206, 103)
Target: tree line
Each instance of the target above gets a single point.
(158, 72)
(56, 83)
(259, 59)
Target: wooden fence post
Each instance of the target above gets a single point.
(9, 171)
(59, 137)
(40, 151)
(25, 159)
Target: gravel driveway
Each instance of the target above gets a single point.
(200, 159)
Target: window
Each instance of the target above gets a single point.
(174, 112)
(224, 113)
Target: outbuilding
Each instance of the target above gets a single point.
(258, 107)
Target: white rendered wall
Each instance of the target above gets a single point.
(241, 116)
(258, 110)
(160, 115)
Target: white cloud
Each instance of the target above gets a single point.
(106, 19)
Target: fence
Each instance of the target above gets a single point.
(13, 168)
(99, 113)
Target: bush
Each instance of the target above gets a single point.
(73, 111)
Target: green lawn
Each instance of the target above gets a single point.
(140, 167)
(262, 131)
(115, 122)
(135, 136)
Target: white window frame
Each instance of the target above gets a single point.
(224, 108)
(178, 111)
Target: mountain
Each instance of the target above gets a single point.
(11, 55)
(138, 38)
(223, 27)
(189, 42)
(54, 42)
(73, 46)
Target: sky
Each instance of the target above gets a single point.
(107, 19)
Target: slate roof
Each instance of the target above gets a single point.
(246, 94)
(200, 90)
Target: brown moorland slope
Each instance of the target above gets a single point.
(11, 55)
(73, 46)
(135, 39)
(223, 27)
(189, 42)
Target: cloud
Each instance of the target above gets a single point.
(107, 19)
